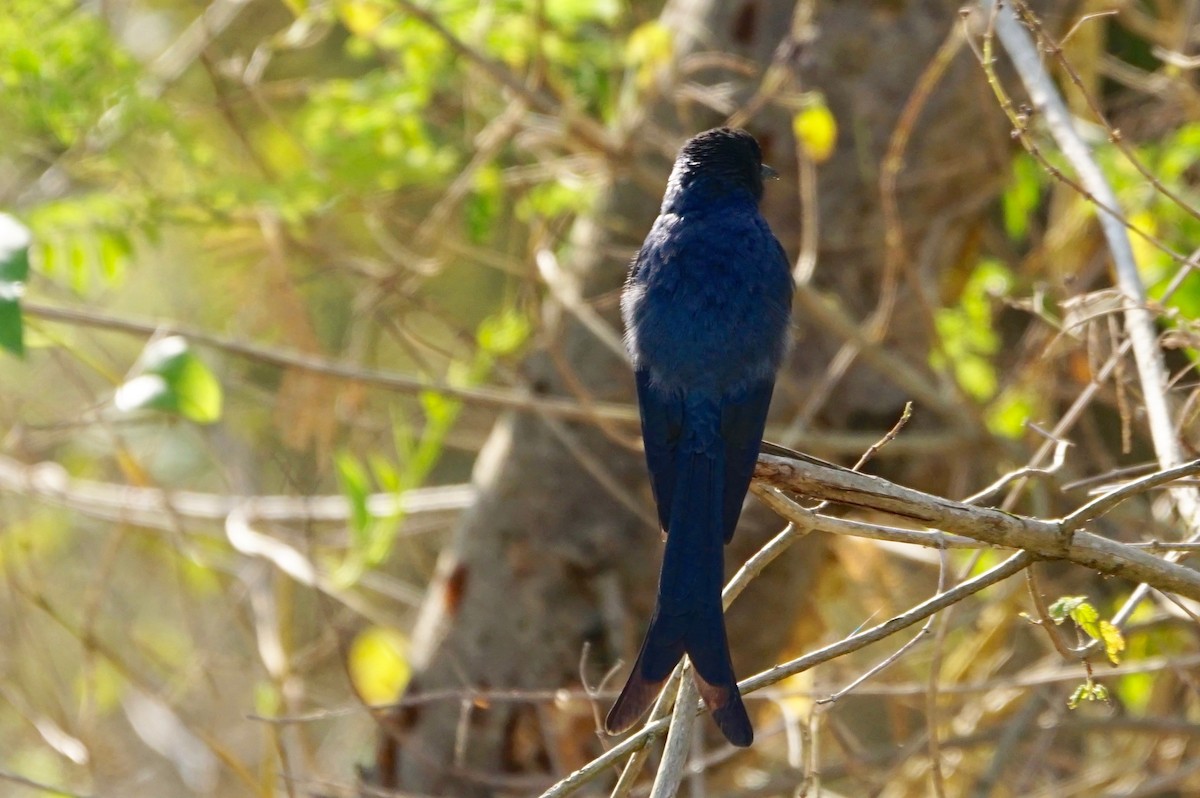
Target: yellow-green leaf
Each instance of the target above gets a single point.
(650, 48)
(378, 664)
(1114, 641)
(1088, 619)
(816, 130)
(362, 17)
(504, 333)
(1088, 691)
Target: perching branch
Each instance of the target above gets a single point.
(1049, 539)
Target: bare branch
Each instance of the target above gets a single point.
(1044, 538)
(1139, 321)
(679, 739)
(808, 520)
(490, 396)
(160, 508)
(1060, 453)
(1102, 504)
(920, 612)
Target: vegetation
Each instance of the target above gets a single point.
(271, 273)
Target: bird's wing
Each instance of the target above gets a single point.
(662, 421)
(743, 419)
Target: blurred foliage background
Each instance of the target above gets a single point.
(289, 249)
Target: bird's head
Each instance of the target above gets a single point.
(717, 162)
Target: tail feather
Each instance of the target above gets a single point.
(688, 618)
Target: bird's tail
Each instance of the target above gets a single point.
(688, 618)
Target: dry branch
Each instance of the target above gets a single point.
(920, 612)
(1139, 320)
(162, 508)
(1048, 539)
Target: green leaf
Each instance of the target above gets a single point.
(968, 331)
(371, 538)
(172, 379)
(1087, 618)
(504, 333)
(1062, 609)
(483, 206)
(14, 270)
(1136, 691)
(553, 199)
(356, 485)
(1088, 691)
(114, 252)
(1020, 200)
(1007, 414)
(439, 410)
(385, 473)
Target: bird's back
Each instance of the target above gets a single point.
(708, 300)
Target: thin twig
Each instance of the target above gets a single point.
(878, 667)
(1060, 453)
(284, 358)
(1139, 321)
(895, 255)
(810, 520)
(662, 708)
(1044, 620)
(1013, 565)
(938, 778)
(827, 312)
(1055, 49)
(901, 423)
(920, 612)
(162, 508)
(1103, 504)
(16, 778)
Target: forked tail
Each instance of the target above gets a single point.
(688, 618)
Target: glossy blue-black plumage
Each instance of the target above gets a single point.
(706, 311)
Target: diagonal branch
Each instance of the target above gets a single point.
(1139, 321)
(920, 612)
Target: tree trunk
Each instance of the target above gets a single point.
(559, 556)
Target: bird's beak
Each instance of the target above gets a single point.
(768, 173)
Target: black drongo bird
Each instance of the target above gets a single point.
(706, 309)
